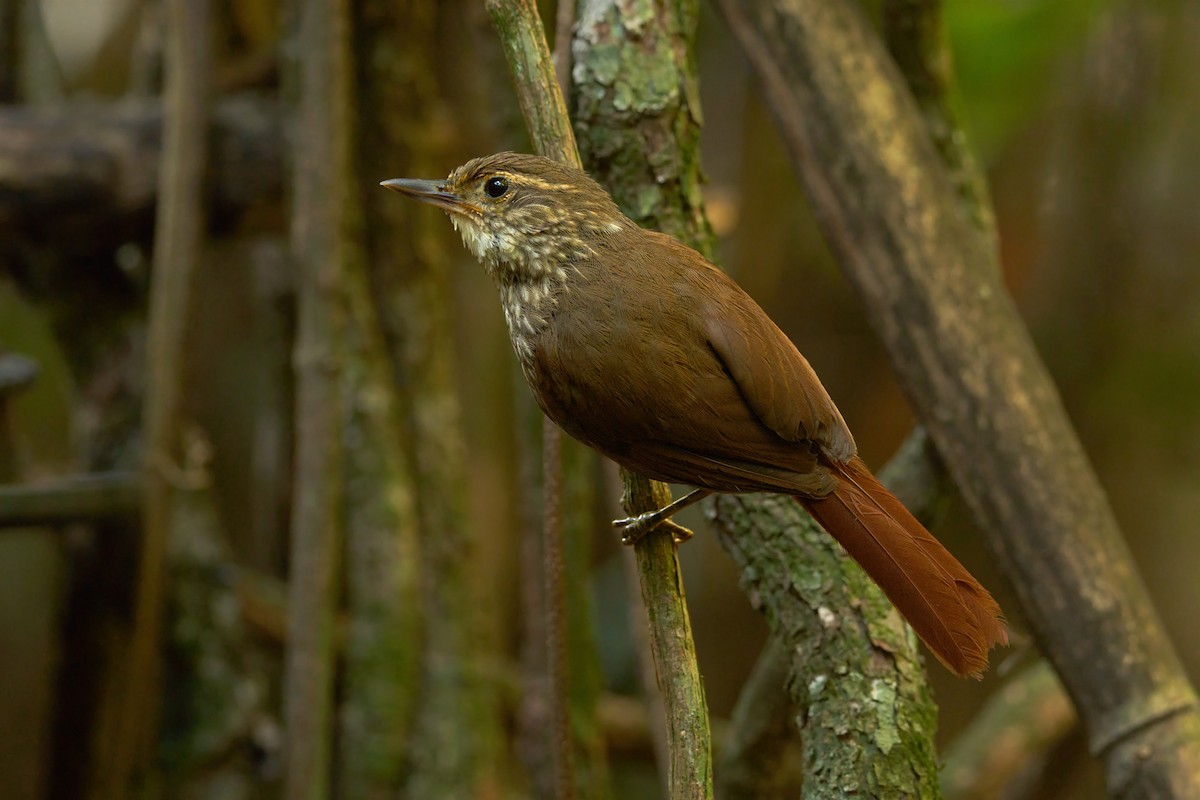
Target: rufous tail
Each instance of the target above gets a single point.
(946, 606)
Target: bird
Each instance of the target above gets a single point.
(639, 347)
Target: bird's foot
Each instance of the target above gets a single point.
(634, 529)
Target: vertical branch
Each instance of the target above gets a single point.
(535, 748)
(319, 196)
(542, 105)
(178, 239)
(555, 605)
(689, 740)
(581, 475)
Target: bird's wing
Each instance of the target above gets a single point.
(698, 408)
(773, 466)
(774, 379)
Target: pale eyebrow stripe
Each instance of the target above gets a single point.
(537, 183)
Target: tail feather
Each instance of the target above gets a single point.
(946, 606)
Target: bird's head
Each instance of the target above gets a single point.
(521, 215)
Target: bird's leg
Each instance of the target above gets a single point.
(634, 528)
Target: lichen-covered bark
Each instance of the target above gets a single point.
(636, 107)
(626, 128)
(864, 710)
(755, 766)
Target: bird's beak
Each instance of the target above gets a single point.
(432, 192)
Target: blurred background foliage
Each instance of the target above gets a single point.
(1086, 115)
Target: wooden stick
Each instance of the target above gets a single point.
(178, 238)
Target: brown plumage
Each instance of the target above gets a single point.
(637, 346)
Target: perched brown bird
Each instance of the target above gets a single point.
(639, 347)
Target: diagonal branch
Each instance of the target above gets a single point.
(930, 282)
(1022, 721)
(853, 678)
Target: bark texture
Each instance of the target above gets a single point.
(863, 708)
(930, 282)
(637, 114)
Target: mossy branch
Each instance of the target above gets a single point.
(854, 677)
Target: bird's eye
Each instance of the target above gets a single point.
(495, 187)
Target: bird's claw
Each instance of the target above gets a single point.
(634, 529)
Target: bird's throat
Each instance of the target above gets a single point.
(529, 306)
(531, 275)
(490, 247)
